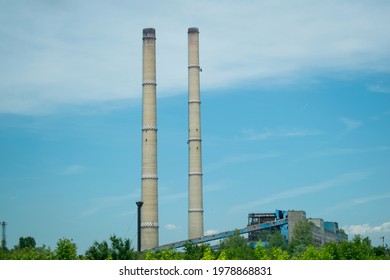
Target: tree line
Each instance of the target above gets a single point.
(234, 247)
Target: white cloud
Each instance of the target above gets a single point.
(340, 180)
(215, 187)
(89, 212)
(365, 229)
(351, 151)
(379, 89)
(350, 124)
(168, 198)
(90, 51)
(172, 227)
(239, 159)
(73, 169)
(113, 199)
(279, 133)
(355, 202)
(211, 231)
(364, 200)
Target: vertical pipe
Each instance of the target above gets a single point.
(139, 205)
(149, 217)
(195, 196)
(3, 236)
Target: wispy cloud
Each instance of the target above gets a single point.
(380, 116)
(350, 124)
(85, 58)
(350, 151)
(365, 229)
(340, 180)
(73, 169)
(170, 197)
(100, 203)
(172, 227)
(211, 231)
(373, 198)
(251, 134)
(108, 200)
(215, 187)
(89, 212)
(239, 159)
(358, 201)
(379, 89)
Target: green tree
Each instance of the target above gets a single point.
(165, 254)
(302, 237)
(357, 249)
(277, 240)
(119, 249)
(122, 249)
(260, 252)
(39, 253)
(236, 247)
(222, 256)
(382, 252)
(208, 254)
(4, 254)
(26, 242)
(66, 250)
(313, 253)
(276, 253)
(98, 251)
(194, 251)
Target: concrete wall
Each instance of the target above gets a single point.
(293, 218)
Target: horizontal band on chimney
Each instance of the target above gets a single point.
(196, 210)
(149, 225)
(195, 173)
(149, 127)
(149, 176)
(149, 82)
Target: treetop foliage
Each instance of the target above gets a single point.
(234, 247)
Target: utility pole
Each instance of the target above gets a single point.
(383, 241)
(3, 239)
(139, 205)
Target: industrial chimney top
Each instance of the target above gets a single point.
(193, 30)
(149, 33)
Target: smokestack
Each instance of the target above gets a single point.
(195, 196)
(149, 216)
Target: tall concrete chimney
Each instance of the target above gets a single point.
(149, 213)
(195, 196)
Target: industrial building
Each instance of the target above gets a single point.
(263, 224)
(323, 232)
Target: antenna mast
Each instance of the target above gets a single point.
(3, 239)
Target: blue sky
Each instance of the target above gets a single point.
(295, 114)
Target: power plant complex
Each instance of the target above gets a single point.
(148, 226)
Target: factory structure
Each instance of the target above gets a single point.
(259, 224)
(323, 232)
